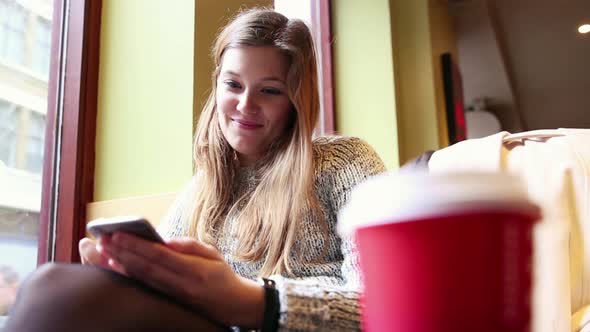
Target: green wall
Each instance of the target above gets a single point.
(416, 102)
(145, 101)
(388, 84)
(422, 32)
(363, 75)
(154, 73)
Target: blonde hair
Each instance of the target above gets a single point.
(268, 222)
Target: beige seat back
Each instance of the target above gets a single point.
(151, 207)
(555, 166)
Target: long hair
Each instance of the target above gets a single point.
(268, 221)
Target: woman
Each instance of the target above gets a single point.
(262, 203)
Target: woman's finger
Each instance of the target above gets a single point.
(117, 267)
(150, 272)
(190, 246)
(89, 253)
(155, 253)
(85, 247)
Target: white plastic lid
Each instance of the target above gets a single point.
(403, 197)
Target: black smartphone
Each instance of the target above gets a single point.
(135, 225)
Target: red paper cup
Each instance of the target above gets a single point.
(445, 252)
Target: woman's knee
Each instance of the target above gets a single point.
(73, 293)
(58, 280)
(46, 274)
(44, 278)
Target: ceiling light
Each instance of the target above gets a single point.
(585, 28)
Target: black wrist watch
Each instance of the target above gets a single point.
(272, 306)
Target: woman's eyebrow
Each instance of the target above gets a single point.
(273, 78)
(229, 72)
(266, 78)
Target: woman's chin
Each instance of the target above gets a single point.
(247, 157)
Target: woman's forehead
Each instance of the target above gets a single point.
(255, 61)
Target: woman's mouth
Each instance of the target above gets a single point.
(248, 125)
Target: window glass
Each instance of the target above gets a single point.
(35, 142)
(12, 31)
(42, 46)
(25, 39)
(8, 130)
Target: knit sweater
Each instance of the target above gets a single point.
(322, 292)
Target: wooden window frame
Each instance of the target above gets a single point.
(321, 21)
(68, 168)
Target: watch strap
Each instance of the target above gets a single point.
(272, 306)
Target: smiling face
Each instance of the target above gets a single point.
(253, 106)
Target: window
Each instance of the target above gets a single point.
(316, 13)
(32, 198)
(12, 31)
(35, 142)
(22, 137)
(42, 46)
(8, 131)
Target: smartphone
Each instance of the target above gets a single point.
(135, 225)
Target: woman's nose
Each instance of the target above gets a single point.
(247, 103)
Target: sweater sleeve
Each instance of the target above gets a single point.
(331, 302)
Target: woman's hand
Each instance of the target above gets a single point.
(190, 271)
(91, 253)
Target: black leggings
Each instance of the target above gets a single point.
(68, 297)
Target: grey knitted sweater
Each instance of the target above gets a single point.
(322, 294)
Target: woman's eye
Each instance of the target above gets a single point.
(232, 84)
(272, 91)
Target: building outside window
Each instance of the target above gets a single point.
(25, 38)
(8, 133)
(35, 142)
(42, 46)
(12, 31)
